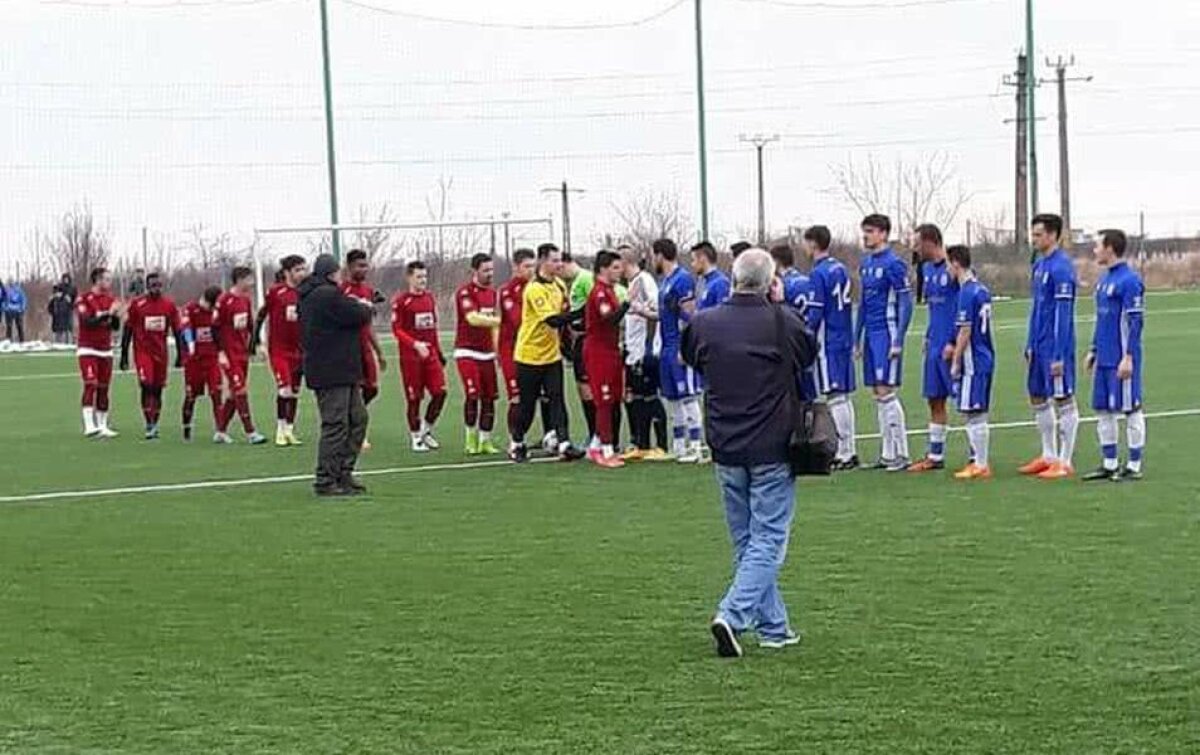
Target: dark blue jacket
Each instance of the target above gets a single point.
(748, 400)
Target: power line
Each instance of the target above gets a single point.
(541, 157)
(164, 4)
(647, 19)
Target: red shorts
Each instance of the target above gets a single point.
(288, 369)
(606, 376)
(508, 367)
(150, 371)
(236, 373)
(478, 378)
(370, 369)
(422, 375)
(95, 370)
(202, 375)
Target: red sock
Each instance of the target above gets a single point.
(241, 402)
(292, 407)
(487, 415)
(471, 412)
(89, 395)
(604, 423)
(189, 410)
(413, 412)
(223, 413)
(101, 398)
(514, 409)
(434, 410)
(281, 408)
(218, 410)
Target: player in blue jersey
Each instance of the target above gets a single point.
(940, 287)
(712, 284)
(1116, 360)
(1050, 352)
(830, 315)
(676, 302)
(973, 361)
(795, 290)
(883, 319)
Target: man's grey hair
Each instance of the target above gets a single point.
(753, 271)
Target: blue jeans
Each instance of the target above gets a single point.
(759, 503)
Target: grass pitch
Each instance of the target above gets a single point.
(563, 609)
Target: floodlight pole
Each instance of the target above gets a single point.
(700, 117)
(333, 200)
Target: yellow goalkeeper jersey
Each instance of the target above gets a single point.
(537, 342)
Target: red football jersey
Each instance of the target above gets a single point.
(364, 292)
(95, 338)
(472, 298)
(511, 301)
(602, 333)
(234, 317)
(283, 319)
(151, 319)
(200, 321)
(414, 318)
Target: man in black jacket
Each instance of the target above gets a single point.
(752, 353)
(330, 324)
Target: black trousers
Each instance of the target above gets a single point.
(344, 421)
(535, 381)
(17, 319)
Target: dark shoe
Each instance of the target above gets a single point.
(353, 483)
(1101, 474)
(846, 464)
(1128, 475)
(332, 491)
(789, 639)
(880, 463)
(727, 643)
(571, 453)
(519, 453)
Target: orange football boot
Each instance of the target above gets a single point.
(1037, 466)
(1057, 471)
(973, 472)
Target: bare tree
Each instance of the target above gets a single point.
(925, 191)
(209, 250)
(79, 246)
(382, 245)
(651, 215)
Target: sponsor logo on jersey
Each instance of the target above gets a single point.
(156, 323)
(424, 320)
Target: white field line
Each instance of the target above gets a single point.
(911, 334)
(206, 484)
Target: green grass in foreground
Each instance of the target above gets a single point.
(556, 609)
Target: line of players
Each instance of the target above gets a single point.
(217, 334)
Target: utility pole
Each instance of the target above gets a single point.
(566, 192)
(145, 251)
(759, 141)
(1064, 166)
(507, 238)
(1031, 107)
(333, 200)
(1019, 82)
(700, 119)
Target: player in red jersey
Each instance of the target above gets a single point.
(475, 353)
(602, 354)
(99, 314)
(415, 325)
(234, 324)
(151, 317)
(355, 285)
(511, 296)
(281, 313)
(201, 371)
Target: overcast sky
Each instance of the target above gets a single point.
(168, 115)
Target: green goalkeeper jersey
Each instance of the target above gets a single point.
(581, 289)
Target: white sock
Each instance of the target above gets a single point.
(607, 450)
(1044, 414)
(1108, 433)
(678, 428)
(102, 420)
(896, 423)
(281, 425)
(417, 437)
(979, 433)
(1135, 435)
(425, 428)
(842, 410)
(89, 419)
(485, 436)
(937, 442)
(1068, 431)
(887, 446)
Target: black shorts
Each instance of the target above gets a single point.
(641, 380)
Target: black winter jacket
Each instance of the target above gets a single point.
(330, 323)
